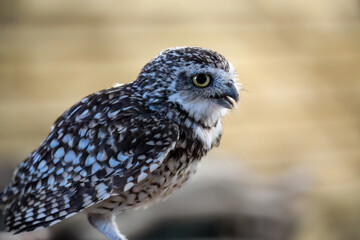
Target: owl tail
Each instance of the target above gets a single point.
(2, 223)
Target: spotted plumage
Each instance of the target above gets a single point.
(126, 146)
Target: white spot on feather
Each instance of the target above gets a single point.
(83, 143)
(54, 210)
(29, 214)
(121, 157)
(42, 164)
(41, 215)
(51, 180)
(59, 171)
(153, 167)
(113, 114)
(59, 153)
(128, 186)
(113, 163)
(54, 143)
(70, 156)
(49, 218)
(89, 160)
(142, 176)
(62, 213)
(95, 167)
(66, 138)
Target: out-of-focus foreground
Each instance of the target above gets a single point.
(289, 163)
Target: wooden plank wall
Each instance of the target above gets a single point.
(299, 62)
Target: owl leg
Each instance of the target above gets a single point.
(105, 223)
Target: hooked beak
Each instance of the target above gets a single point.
(229, 97)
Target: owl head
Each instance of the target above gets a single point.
(201, 81)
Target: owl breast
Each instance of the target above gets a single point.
(180, 164)
(170, 176)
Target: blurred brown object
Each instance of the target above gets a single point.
(222, 202)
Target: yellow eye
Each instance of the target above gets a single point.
(201, 80)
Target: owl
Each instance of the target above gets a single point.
(127, 146)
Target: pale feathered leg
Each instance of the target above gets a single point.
(106, 225)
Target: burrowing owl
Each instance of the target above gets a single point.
(125, 146)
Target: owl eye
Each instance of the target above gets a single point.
(201, 80)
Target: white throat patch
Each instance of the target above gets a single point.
(203, 110)
(209, 136)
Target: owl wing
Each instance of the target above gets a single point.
(84, 165)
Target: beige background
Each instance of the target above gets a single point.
(299, 62)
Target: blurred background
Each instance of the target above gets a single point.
(288, 166)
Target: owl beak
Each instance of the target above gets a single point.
(229, 97)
